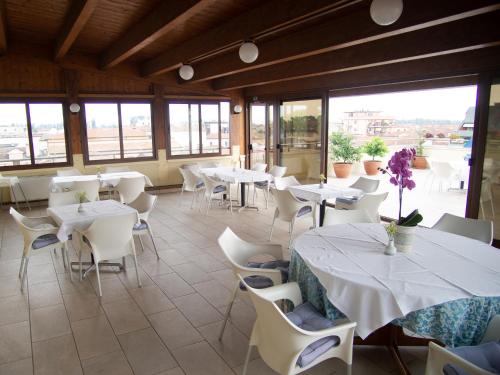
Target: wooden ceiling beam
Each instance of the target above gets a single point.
(456, 64)
(349, 30)
(77, 17)
(270, 16)
(471, 33)
(159, 22)
(3, 28)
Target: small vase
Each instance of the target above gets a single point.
(390, 249)
(403, 239)
(98, 175)
(80, 207)
(321, 185)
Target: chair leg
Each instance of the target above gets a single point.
(267, 197)
(21, 267)
(349, 370)
(98, 278)
(154, 244)
(192, 200)
(228, 310)
(272, 227)
(24, 272)
(140, 241)
(81, 268)
(254, 194)
(63, 257)
(247, 359)
(230, 198)
(137, 271)
(292, 224)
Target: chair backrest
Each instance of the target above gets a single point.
(192, 167)
(371, 204)
(442, 169)
(68, 172)
(210, 184)
(208, 164)
(111, 237)
(29, 227)
(481, 230)
(90, 187)
(144, 204)
(63, 198)
(334, 217)
(277, 171)
(112, 169)
(259, 167)
(282, 183)
(236, 250)
(190, 179)
(368, 185)
(129, 188)
(287, 204)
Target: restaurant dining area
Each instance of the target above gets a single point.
(249, 187)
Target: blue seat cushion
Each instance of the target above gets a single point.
(257, 282)
(219, 189)
(262, 184)
(261, 282)
(140, 226)
(305, 316)
(199, 184)
(304, 210)
(485, 356)
(45, 240)
(346, 200)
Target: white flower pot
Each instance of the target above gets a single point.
(403, 239)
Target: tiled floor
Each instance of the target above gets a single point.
(167, 327)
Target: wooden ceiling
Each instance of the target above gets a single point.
(300, 41)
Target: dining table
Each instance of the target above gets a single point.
(446, 289)
(59, 183)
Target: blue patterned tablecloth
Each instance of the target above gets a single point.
(456, 323)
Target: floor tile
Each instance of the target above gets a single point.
(156, 268)
(49, 322)
(151, 299)
(15, 342)
(56, 356)
(201, 359)
(173, 285)
(10, 286)
(44, 294)
(125, 316)
(191, 273)
(94, 337)
(198, 311)
(82, 306)
(175, 371)
(112, 290)
(22, 367)
(13, 309)
(108, 364)
(174, 329)
(214, 292)
(129, 278)
(41, 273)
(76, 286)
(146, 352)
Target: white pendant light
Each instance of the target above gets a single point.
(186, 72)
(248, 52)
(386, 12)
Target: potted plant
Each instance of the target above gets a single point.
(399, 170)
(322, 180)
(376, 147)
(344, 153)
(420, 161)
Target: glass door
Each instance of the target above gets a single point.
(300, 138)
(261, 134)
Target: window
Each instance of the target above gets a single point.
(199, 128)
(118, 131)
(32, 134)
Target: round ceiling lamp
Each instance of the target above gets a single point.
(248, 52)
(237, 109)
(386, 12)
(74, 107)
(186, 72)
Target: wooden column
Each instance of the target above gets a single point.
(159, 117)
(71, 84)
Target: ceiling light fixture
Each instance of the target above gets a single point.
(248, 52)
(237, 109)
(74, 108)
(386, 12)
(186, 72)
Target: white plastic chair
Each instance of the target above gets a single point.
(280, 342)
(112, 169)
(39, 233)
(259, 167)
(208, 164)
(443, 171)
(68, 172)
(91, 189)
(213, 187)
(144, 204)
(290, 208)
(486, 196)
(283, 183)
(63, 198)
(110, 238)
(438, 356)
(129, 188)
(367, 185)
(191, 182)
(368, 202)
(239, 252)
(275, 171)
(335, 217)
(481, 230)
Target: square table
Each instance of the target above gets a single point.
(59, 183)
(315, 193)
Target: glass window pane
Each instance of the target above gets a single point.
(103, 135)
(225, 129)
(137, 130)
(210, 128)
(179, 128)
(257, 134)
(14, 142)
(47, 129)
(195, 129)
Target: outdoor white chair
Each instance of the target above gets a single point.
(110, 238)
(285, 342)
(483, 359)
(259, 275)
(443, 172)
(68, 172)
(486, 197)
(368, 202)
(144, 204)
(129, 188)
(90, 188)
(259, 167)
(213, 187)
(335, 217)
(191, 182)
(39, 233)
(62, 198)
(275, 171)
(367, 185)
(290, 209)
(111, 169)
(481, 230)
(283, 183)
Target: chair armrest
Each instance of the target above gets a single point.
(438, 357)
(273, 274)
(33, 222)
(274, 250)
(289, 291)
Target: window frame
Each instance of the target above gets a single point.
(200, 103)
(67, 132)
(118, 102)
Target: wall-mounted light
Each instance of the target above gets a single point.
(248, 52)
(386, 12)
(237, 109)
(74, 108)
(186, 72)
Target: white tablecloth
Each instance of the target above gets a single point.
(69, 219)
(373, 289)
(107, 179)
(238, 175)
(314, 193)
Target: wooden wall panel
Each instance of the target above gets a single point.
(95, 82)
(20, 75)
